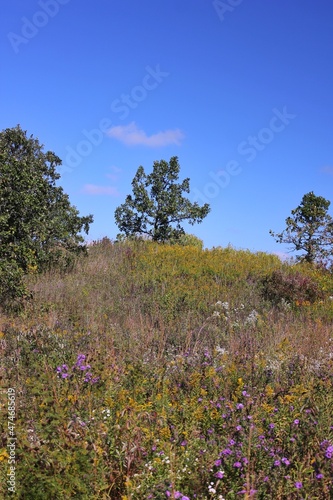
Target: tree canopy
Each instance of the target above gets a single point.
(38, 224)
(310, 230)
(157, 207)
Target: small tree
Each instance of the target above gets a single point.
(38, 225)
(309, 229)
(159, 211)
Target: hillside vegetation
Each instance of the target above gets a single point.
(154, 371)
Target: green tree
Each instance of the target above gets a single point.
(157, 206)
(38, 225)
(309, 229)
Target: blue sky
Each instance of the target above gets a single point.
(239, 90)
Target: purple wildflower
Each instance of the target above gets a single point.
(298, 485)
(226, 451)
(238, 465)
(219, 474)
(88, 377)
(285, 461)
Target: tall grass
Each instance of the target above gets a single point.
(156, 371)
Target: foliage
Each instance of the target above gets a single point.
(290, 287)
(158, 371)
(159, 211)
(309, 229)
(188, 240)
(38, 226)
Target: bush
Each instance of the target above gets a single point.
(12, 288)
(186, 240)
(291, 287)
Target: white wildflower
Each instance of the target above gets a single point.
(252, 318)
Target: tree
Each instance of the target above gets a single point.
(38, 225)
(158, 211)
(309, 229)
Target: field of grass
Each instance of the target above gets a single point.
(154, 371)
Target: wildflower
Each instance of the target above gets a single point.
(298, 485)
(271, 426)
(277, 463)
(252, 318)
(240, 406)
(217, 462)
(329, 452)
(219, 474)
(88, 377)
(226, 451)
(80, 359)
(183, 443)
(211, 488)
(296, 421)
(285, 461)
(238, 465)
(319, 476)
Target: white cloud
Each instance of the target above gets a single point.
(131, 135)
(114, 175)
(100, 190)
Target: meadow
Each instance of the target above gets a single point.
(153, 371)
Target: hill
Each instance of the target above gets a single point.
(156, 371)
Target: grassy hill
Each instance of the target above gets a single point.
(162, 371)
